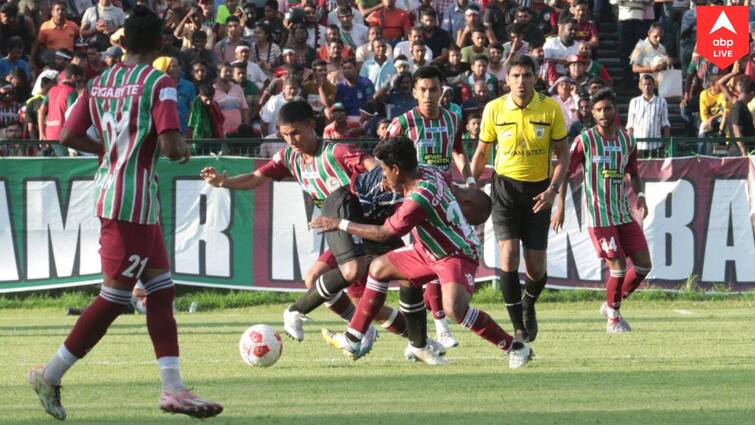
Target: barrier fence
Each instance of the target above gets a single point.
(702, 213)
(671, 147)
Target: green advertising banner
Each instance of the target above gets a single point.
(701, 222)
(49, 235)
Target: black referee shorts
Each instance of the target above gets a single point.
(512, 212)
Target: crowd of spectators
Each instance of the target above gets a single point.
(235, 65)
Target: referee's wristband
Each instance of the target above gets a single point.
(471, 180)
(343, 225)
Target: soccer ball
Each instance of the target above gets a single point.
(260, 346)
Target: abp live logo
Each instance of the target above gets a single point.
(723, 33)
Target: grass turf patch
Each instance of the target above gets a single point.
(685, 363)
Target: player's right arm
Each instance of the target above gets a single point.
(74, 134)
(487, 138)
(249, 181)
(406, 217)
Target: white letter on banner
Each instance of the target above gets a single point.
(294, 245)
(8, 265)
(191, 233)
(730, 233)
(45, 227)
(572, 235)
(671, 209)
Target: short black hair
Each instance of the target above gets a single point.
(199, 35)
(474, 115)
(273, 4)
(428, 72)
(746, 85)
(142, 31)
(480, 58)
(239, 65)
(74, 70)
(603, 94)
(350, 60)
(566, 19)
(648, 77)
(15, 42)
(525, 9)
(523, 61)
(233, 18)
(206, 89)
(479, 28)
(497, 46)
(428, 11)
(9, 9)
(296, 111)
(580, 3)
(318, 62)
(398, 151)
(655, 26)
(517, 28)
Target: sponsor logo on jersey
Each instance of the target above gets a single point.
(332, 183)
(612, 148)
(425, 143)
(168, 93)
(598, 159)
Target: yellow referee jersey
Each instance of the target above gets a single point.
(523, 136)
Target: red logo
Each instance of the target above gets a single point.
(723, 33)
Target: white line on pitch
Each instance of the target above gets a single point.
(684, 312)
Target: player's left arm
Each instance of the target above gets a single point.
(637, 184)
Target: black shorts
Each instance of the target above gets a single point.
(341, 203)
(512, 212)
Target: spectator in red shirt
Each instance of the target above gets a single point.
(343, 126)
(395, 22)
(586, 30)
(52, 112)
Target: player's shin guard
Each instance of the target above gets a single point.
(396, 323)
(161, 324)
(369, 305)
(413, 308)
(432, 297)
(96, 319)
(533, 288)
(633, 279)
(342, 306)
(512, 297)
(613, 288)
(325, 288)
(483, 325)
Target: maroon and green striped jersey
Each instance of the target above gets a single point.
(333, 166)
(435, 219)
(434, 139)
(129, 106)
(604, 164)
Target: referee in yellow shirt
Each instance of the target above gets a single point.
(526, 128)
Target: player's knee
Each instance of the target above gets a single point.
(455, 309)
(353, 269)
(379, 269)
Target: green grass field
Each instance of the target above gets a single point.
(685, 363)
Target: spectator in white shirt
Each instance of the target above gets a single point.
(557, 49)
(405, 47)
(334, 18)
(100, 21)
(353, 34)
(649, 55)
(269, 113)
(648, 115)
(254, 73)
(364, 52)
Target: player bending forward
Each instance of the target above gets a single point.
(133, 106)
(445, 246)
(606, 154)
